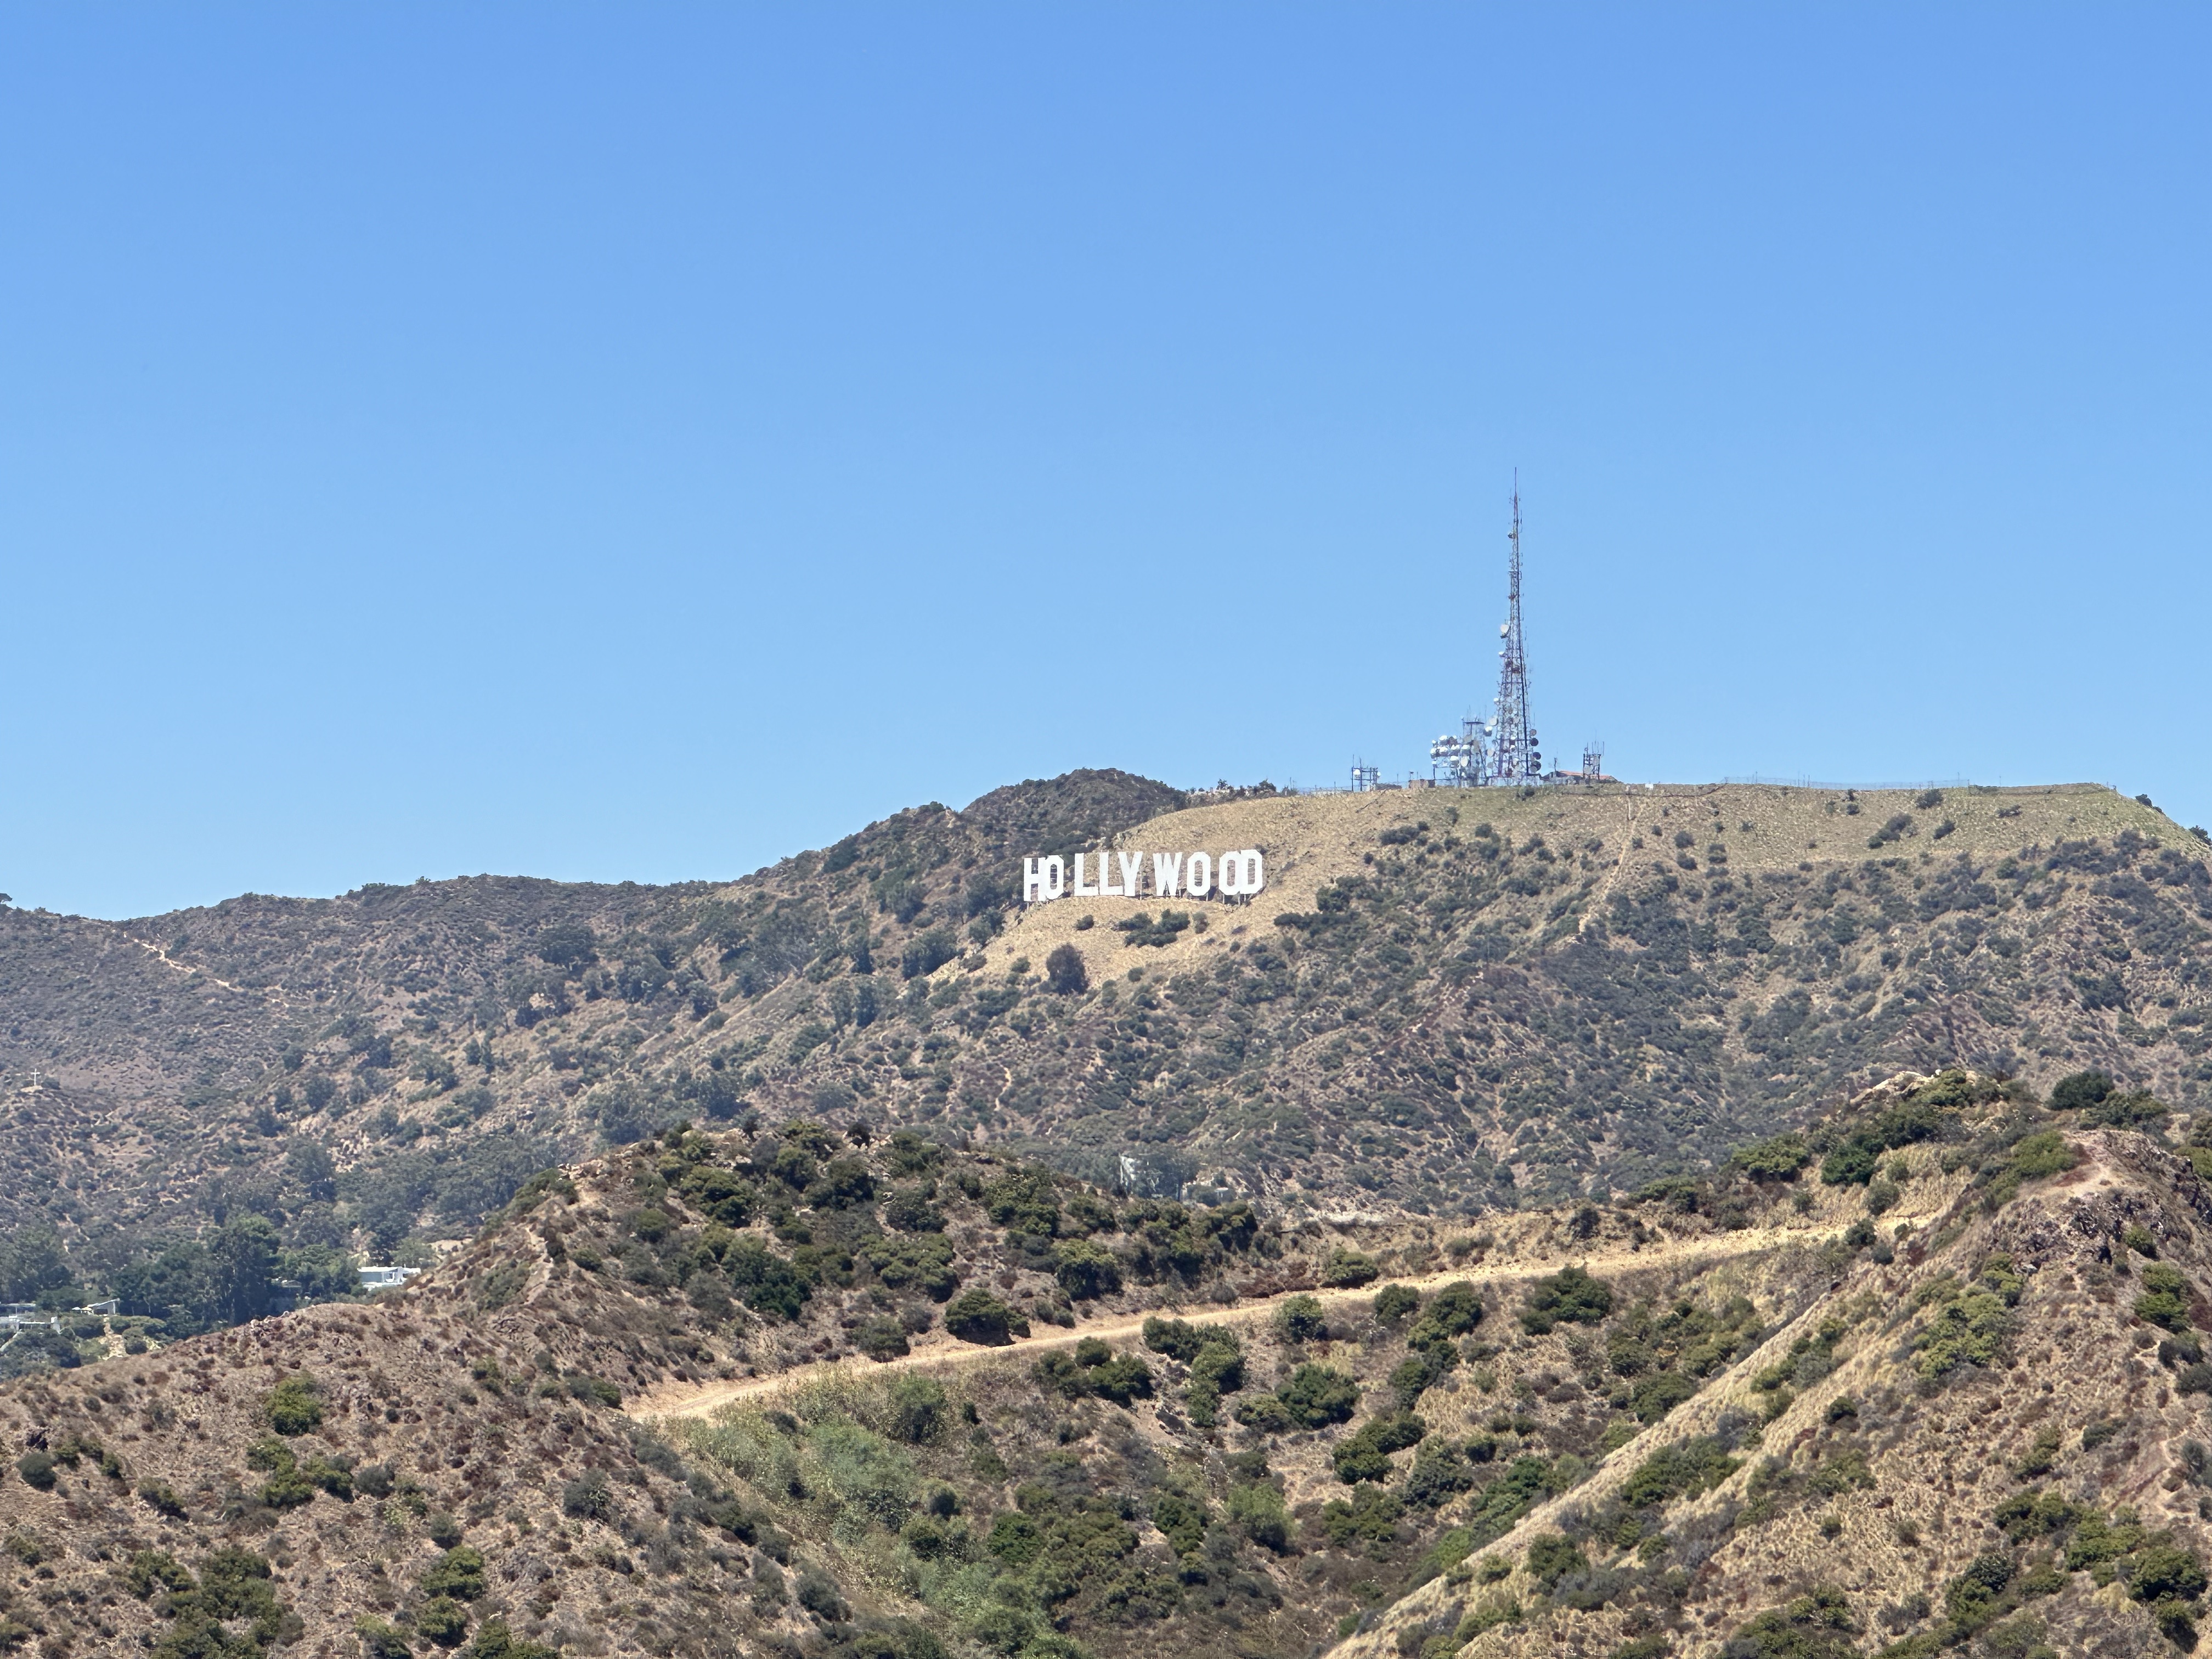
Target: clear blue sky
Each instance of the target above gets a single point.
(641, 441)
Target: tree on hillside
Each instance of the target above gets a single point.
(1064, 973)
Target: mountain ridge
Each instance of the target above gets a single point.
(1462, 1021)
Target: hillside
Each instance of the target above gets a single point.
(1936, 1376)
(1575, 992)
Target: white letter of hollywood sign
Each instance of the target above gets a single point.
(1240, 874)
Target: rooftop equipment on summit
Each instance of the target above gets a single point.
(1463, 761)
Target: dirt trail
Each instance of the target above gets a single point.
(1596, 906)
(700, 1400)
(269, 993)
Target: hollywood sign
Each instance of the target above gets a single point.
(1174, 875)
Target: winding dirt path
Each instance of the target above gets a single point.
(268, 993)
(701, 1400)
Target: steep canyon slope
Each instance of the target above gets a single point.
(1932, 1376)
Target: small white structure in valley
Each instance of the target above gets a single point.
(386, 1278)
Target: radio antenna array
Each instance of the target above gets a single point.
(1517, 759)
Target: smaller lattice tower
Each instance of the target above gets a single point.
(1516, 757)
(1461, 762)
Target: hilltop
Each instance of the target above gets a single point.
(1447, 1003)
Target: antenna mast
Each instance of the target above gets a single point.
(1519, 760)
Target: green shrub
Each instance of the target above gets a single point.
(1024, 1201)
(1347, 1269)
(1452, 1312)
(1568, 1297)
(865, 1471)
(1815, 1626)
(1085, 1271)
(765, 1282)
(1365, 1456)
(1093, 1369)
(918, 1407)
(1177, 1338)
(2164, 1571)
(152, 1569)
(818, 1594)
(498, 1288)
(1300, 1319)
(882, 1338)
(1260, 1513)
(1780, 1157)
(443, 1620)
(1393, 1302)
(592, 1390)
(293, 1409)
(911, 1154)
(1970, 1320)
(2131, 1110)
(1842, 1471)
(1064, 973)
(2036, 1513)
(458, 1573)
(1413, 1377)
(1552, 1557)
(926, 952)
(1143, 930)
(719, 1194)
(2165, 1298)
(1654, 1396)
(844, 1183)
(913, 1209)
(37, 1468)
(1121, 1379)
(1015, 1539)
(1899, 826)
(1971, 1598)
(1181, 1521)
(976, 1316)
(920, 1261)
(1316, 1395)
(589, 1498)
(1695, 1466)
(2041, 1455)
(1854, 1160)
(2080, 1090)
(494, 1641)
(1370, 1517)
(163, 1498)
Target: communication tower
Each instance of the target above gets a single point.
(1462, 761)
(1515, 757)
(1594, 761)
(1364, 778)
